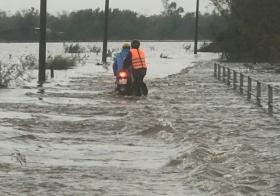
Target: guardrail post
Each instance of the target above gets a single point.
(219, 72)
(215, 70)
(249, 88)
(270, 99)
(241, 83)
(234, 80)
(259, 92)
(224, 74)
(228, 76)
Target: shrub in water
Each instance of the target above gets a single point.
(10, 73)
(60, 62)
(94, 49)
(29, 61)
(187, 47)
(73, 48)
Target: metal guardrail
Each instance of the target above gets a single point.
(254, 87)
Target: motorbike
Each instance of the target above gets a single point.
(124, 84)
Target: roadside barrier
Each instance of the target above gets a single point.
(249, 86)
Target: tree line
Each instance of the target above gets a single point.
(242, 30)
(252, 30)
(87, 25)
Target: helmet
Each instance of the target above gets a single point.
(126, 46)
(135, 43)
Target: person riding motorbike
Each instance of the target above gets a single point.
(137, 61)
(124, 79)
(120, 57)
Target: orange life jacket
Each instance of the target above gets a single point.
(138, 59)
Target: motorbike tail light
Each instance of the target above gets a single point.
(122, 74)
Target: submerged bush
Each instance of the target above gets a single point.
(29, 61)
(16, 70)
(187, 47)
(110, 52)
(60, 62)
(94, 49)
(210, 47)
(73, 48)
(10, 73)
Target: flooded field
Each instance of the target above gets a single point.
(191, 135)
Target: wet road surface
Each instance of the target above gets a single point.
(191, 136)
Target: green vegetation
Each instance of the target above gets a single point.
(243, 30)
(87, 25)
(94, 49)
(60, 62)
(16, 72)
(73, 48)
(252, 32)
(28, 61)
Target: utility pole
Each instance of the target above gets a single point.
(105, 38)
(42, 46)
(196, 27)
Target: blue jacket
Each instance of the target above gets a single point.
(119, 60)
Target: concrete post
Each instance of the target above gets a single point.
(42, 46)
(196, 27)
(105, 38)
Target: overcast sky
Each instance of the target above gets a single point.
(147, 7)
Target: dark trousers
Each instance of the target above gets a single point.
(139, 85)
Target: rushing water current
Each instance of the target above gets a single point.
(191, 136)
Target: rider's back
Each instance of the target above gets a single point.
(119, 60)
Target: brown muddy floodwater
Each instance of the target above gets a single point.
(191, 136)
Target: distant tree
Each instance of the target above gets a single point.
(170, 8)
(20, 26)
(87, 25)
(253, 30)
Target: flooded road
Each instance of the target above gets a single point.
(82, 138)
(191, 136)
